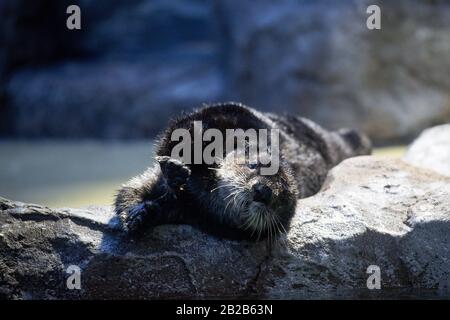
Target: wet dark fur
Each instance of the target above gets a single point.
(170, 192)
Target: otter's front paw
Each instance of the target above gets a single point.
(174, 171)
(140, 215)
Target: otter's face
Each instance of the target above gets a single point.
(260, 205)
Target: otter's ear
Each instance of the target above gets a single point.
(174, 171)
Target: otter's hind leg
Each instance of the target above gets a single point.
(150, 198)
(356, 142)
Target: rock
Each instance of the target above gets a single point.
(369, 212)
(108, 100)
(135, 63)
(431, 150)
(34, 34)
(319, 59)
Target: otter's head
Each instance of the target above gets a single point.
(259, 205)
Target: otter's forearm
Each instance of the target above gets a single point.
(145, 199)
(144, 187)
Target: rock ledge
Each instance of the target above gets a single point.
(370, 212)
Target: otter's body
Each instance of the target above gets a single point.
(229, 199)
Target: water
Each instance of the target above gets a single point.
(78, 173)
(62, 173)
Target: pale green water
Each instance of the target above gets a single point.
(66, 173)
(73, 174)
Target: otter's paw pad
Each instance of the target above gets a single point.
(139, 215)
(175, 172)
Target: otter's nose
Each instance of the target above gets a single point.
(261, 193)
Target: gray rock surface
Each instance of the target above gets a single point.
(370, 212)
(318, 58)
(431, 150)
(109, 100)
(134, 63)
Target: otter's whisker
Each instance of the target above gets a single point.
(269, 231)
(277, 225)
(222, 186)
(253, 223)
(228, 203)
(248, 223)
(280, 225)
(232, 194)
(260, 224)
(272, 228)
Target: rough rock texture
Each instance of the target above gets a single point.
(370, 212)
(431, 150)
(134, 63)
(318, 58)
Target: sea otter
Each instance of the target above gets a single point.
(231, 198)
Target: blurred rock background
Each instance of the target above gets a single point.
(137, 62)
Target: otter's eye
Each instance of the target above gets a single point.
(252, 166)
